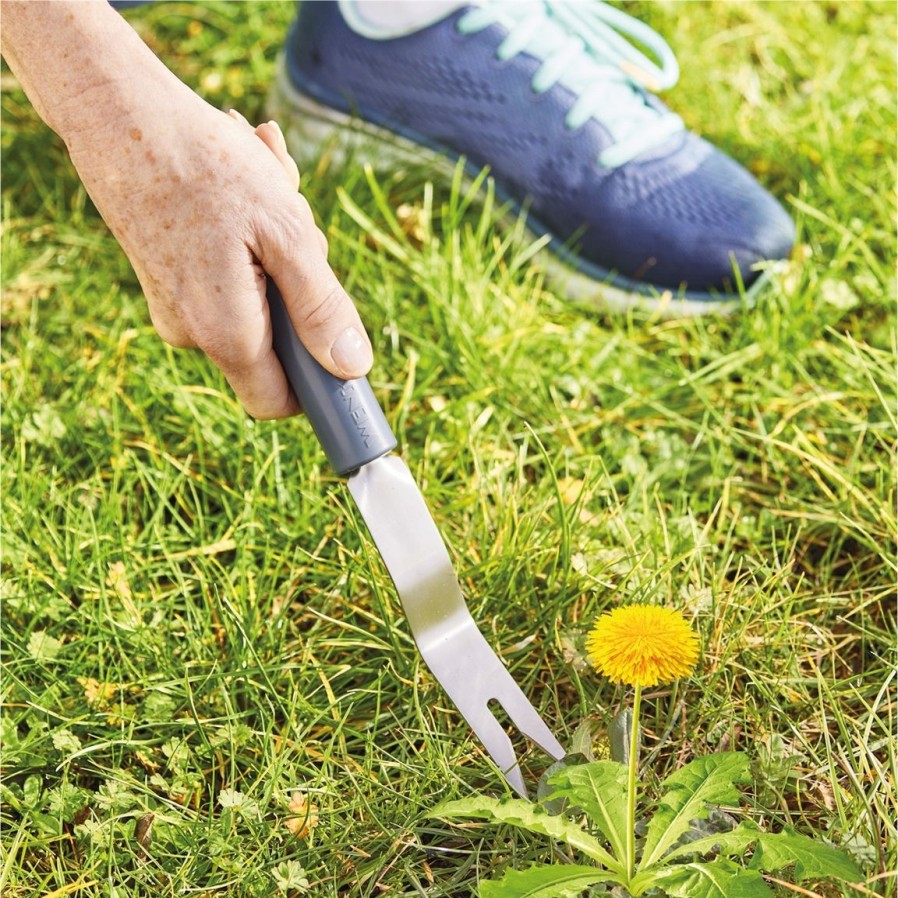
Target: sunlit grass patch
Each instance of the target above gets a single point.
(196, 626)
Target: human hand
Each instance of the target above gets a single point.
(203, 210)
(201, 205)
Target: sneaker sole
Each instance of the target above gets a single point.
(310, 127)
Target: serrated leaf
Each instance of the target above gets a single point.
(810, 858)
(524, 814)
(558, 881)
(544, 790)
(686, 796)
(599, 789)
(717, 879)
(42, 646)
(731, 843)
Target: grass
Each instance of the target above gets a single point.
(195, 623)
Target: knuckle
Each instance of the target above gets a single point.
(323, 308)
(227, 350)
(302, 206)
(284, 229)
(295, 222)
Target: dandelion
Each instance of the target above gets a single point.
(642, 645)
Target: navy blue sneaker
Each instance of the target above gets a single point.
(554, 99)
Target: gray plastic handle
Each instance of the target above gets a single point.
(344, 414)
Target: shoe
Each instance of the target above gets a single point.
(556, 102)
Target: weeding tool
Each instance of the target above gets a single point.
(357, 440)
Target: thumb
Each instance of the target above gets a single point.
(291, 251)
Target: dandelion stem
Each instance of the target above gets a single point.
(631, 785)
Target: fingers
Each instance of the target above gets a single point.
(272, 136)
(242, 349)
(293, 250)
(251, 367)
(322, 313)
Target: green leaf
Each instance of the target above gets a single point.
(732, 843)
(582, 740)
(43, 426)
(599, 789)
(526, 815)
(717, 879)
(66, 742)
(31, 791)
(688, 792)
(289, 876)
(560, 881)
(43, 647)
(65, 800)
(544, 790)
(811, 858)
(619, 734)
(46, 824)
(237, 801)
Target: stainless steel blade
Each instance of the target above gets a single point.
(444, 630)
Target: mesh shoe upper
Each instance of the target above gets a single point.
(677, 214)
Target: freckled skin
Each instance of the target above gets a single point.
(195, 211)
(202, 203)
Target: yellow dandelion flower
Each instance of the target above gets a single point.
(642, 645)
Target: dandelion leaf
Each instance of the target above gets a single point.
(809, 858)
(718, 879)
(728, 844)
(688, 794)
(599, 790)
(558, 881)
(544, 791)
(526, 815)
(619, 735)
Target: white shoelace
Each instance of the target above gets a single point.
(584, 47)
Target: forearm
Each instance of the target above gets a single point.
(118, 108)
(81, 65)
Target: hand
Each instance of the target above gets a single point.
(201, 205)
(203, 213)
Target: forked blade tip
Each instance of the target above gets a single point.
(526, 720)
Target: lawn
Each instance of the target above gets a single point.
(208, 686)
